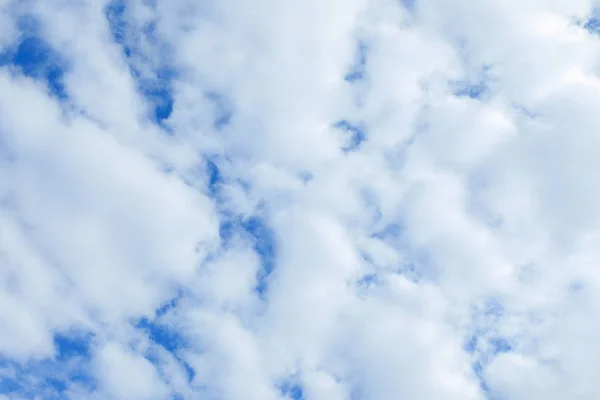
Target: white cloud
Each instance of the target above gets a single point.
(450, 255)
(128, 376)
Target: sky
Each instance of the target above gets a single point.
(300, 199)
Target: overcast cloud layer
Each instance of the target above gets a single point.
(299, 199)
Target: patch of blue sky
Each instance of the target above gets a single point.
(499, 345)
(191, 374)
(368, 280)
(415, 265)
(392, 233)
(357, 71)
(263, 239)
(478, 370)
(471, 344)
(357, 75)
(165, 335)
(592, 25)
(159, 92)
(30, 388)
(157, 87)
(413, 271)
(170, 304)
(254, 228)
(484, 343)
(216, 182)
(214, 178)
(157, 359)
(389, 232)
(356, 134)
(8, 381)
(162, 334)
(478, 366)
(159, 331)
(115, 14)
(291, 389)
(488, 345)
(35, 58)
(51, 378)
(72, 344)
(257, 230)
(476, 86)
(305, 176)
(472, 90)
(483, 339)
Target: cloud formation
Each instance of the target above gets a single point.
(321, 200)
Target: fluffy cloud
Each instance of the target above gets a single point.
(299, 200)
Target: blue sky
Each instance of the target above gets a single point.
(307, 200)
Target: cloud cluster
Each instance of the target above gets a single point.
(299, 200)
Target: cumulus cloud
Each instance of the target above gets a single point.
(299, 200)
